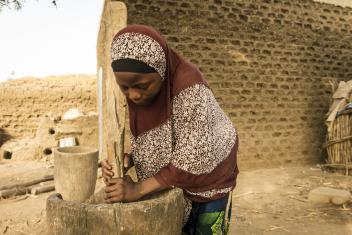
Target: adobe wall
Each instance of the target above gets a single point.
(24, 101)
(265, 61)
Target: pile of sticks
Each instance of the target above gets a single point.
(34, 187)
(339, 143)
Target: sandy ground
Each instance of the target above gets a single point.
(274, 201)
(23, 214)
(268, 201)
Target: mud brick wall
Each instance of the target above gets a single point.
(24, 101)
(266, 61)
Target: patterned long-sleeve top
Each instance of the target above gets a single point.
(194, 150)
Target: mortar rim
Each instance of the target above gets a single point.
(86, 150)
(138, 204)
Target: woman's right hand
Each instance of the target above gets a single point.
(106, 169)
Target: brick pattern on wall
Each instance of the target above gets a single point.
(266, 61)
(24, 101)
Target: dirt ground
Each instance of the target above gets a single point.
(267, 201)
(274, 201)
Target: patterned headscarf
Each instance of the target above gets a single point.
(138, 47)
(144, 44)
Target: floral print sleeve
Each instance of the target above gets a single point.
(204, 136)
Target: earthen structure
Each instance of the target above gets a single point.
(267, 62)
(24, 101)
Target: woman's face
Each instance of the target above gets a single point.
(140, 88)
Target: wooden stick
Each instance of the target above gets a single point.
(14, 192)
(346, 119)
(121, 151)
(335, 141)
(42, 189)
(6, 193)
(339, 137)
(111, 153)
(333, 134)
(348, 149)
(350, 141)
(28, 183)
(337, 166)
(344, 150)
(119, 146)
(241, 195)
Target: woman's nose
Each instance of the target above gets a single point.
(134, 94)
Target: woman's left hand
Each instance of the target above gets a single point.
(122, 190)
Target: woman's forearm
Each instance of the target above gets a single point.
(150, 185)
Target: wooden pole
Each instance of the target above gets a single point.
(113, 18)
(14, 192)
(42, 189)
(28, 183)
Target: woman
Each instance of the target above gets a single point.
(180, 136)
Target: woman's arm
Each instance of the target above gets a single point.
(126, 190)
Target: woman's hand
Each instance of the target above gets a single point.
(125, 190)
(122, 190)
(106, 169)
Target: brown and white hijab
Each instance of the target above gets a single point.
(143, 44)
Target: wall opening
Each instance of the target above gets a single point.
(47, 151)
(51, 131)
(7, 155)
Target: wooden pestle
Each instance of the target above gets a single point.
(115, 152)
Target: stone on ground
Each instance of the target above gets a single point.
(327, 195)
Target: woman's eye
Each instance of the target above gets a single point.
(143, 87)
